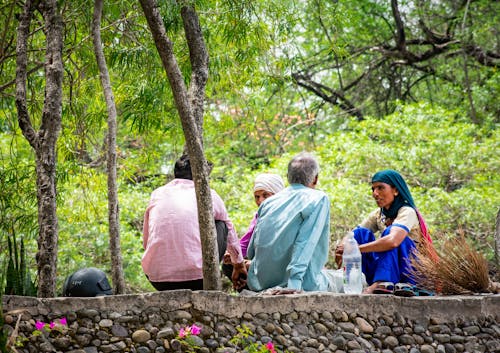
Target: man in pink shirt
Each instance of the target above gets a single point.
(172, 258)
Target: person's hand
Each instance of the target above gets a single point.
(285, 291)
(339, 251)
(226, 260)
(239, 276)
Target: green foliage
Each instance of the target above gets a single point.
(245, 340)
(18, 278)
(450, 165)
(348, 49)
(17, 215)
(256, 119)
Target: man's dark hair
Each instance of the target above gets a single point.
(182, 169)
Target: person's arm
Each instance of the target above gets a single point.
(233, 242)
(389, 242)
(369, 222)
(145, 228)
(239, 275)
(315, 228)
(245, 239)
(405, 220)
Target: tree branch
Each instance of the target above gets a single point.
(21, 74)
(54, 72)
(400, 28)
(113, 209)
(486, 58)
(192, 134)
(329, 95)
(198, 55)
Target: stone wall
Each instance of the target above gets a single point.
(313, 322)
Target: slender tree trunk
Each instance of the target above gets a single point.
(44, 140)
(467, 84)
(190, 108)
(113, 210)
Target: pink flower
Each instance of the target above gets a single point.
(39, 325)
(52, 325)
(63, 321)
(182, 333)
(270, 347)
(195, 330)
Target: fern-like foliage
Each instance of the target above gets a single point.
(18, 278)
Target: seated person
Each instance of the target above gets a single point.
(172, 256)
(289, 246)
(265, 185)
(402, 228)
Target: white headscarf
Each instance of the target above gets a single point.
(268, 182)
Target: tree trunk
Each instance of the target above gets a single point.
(113, 210)
(467, 83)
(190, 108)
(44, 140)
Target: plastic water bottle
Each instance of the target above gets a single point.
(351, 261)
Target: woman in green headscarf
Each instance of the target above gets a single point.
(385, 260)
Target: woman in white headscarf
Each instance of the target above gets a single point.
(265, 185)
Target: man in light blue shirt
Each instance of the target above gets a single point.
(290, 244)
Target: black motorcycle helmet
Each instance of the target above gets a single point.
(87, 282)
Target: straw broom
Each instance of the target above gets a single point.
(457, 269)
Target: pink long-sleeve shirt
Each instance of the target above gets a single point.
(245, 239)
(171, 235)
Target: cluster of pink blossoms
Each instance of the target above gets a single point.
(40, 325)
(270, 347)
(189, 330)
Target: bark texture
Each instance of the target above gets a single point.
(113, 209)
(44, 140)
(190, 107)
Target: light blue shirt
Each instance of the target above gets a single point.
(289, 247)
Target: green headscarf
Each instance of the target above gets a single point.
(404, 197)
